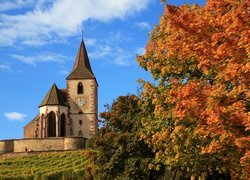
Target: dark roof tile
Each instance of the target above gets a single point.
(55, 97)
(82, 68)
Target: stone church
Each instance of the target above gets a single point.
(70, 112)
(66, 118)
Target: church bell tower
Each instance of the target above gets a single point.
(82, 97)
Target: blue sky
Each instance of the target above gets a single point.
(39, 40)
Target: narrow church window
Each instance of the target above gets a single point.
(52, 124)
(80, 88)
(42, 128)
(80, 133)
(80, 122)
(63, 125)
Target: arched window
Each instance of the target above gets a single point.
(63, 125)
(80, 88)
(80, 133)
(52, 124)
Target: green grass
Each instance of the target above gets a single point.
(53, 165)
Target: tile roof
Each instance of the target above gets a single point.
(55, 97)
(36, 118)
(82, 68)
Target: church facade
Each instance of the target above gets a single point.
(66, 116)
(70, 112)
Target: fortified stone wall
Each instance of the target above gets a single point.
(47, 144)
(73, 143)
(6, 146)
(42, 144)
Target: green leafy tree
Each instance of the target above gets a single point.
(118, 151)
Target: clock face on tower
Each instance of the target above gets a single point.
(80, 102)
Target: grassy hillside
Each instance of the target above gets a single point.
(53, 165)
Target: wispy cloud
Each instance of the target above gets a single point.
(101, 51)
(112, 50)
(140, 51)
(143, 25)
(15, 116)
(123, 57)
(64, 72)
(116, 38)
(48, 21)
(90, 41)
(5, 68)
(112, 55)
(42, 58)
(6, 5)
(123, 60)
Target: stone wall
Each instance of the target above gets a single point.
(73, 143)
(45, 144)
(42, 144)
(6, 146)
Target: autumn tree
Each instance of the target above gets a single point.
(118, 152)
(199, 57)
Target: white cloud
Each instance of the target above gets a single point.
(101, 51)
(117, 38)
(123, 57)
(123, 60)
(15, 116)
(5, 68)
(90, 41)
(42, 58)
(50, 20)
(112, 55)
(64, 72)
(6, 5)
(144, 25)
(140, 51)
(108, 49)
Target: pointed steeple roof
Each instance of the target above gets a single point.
(82, 68)
(54, 97)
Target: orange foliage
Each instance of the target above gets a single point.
(201, 57)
